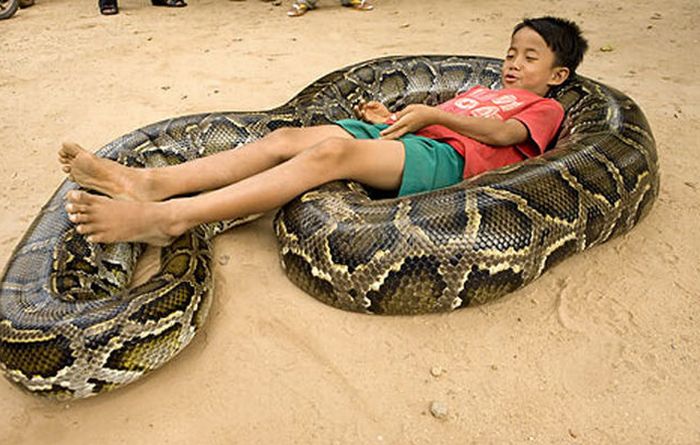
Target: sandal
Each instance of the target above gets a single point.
(298, 9)
(108, 7)
(361, 5)
(169, 3)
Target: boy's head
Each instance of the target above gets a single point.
(544, 52)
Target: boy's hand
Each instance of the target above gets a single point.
(412, 118)
(372, 112)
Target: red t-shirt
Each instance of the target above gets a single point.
(540, 115)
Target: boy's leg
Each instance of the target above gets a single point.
(378, 163)
(211, 172)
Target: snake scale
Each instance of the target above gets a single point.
(71, 327)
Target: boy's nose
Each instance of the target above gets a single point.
(516, 62)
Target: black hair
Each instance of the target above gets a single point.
(562, 36)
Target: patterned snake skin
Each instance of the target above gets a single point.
(70, 325)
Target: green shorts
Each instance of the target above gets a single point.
(429, 164)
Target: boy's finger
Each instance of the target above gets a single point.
(394, 134)
(390, 132)
(402, 113)
(388, 129)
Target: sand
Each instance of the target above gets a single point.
(604, 349)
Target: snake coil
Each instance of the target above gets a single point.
(70, 325)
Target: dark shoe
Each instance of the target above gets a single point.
(8, 8)
(169, 3)
(108, 7)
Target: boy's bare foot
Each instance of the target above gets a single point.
(105, 176)
(106, 220)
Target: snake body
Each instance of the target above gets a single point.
(71, 327)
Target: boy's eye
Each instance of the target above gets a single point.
(531, 59)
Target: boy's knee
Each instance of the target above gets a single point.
(331, 152)
(283, 135)
(283, 142)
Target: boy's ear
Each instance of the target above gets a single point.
(559, 75)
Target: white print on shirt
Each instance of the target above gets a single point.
(511, 106)
(482, 93)
(466, 103)
(486, 111)
(507, 102)
(505, 99)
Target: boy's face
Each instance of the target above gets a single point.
(529, 64)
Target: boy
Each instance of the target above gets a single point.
(417, 149)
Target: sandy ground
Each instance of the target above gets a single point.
(604, 349)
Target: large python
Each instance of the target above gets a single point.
(71, 327)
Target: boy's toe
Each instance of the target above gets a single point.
(71, 208)
(70, 149)
(78, 218)
(85, 229)
(79, 197)
(74, 208)
(95, 239)
(73, 196)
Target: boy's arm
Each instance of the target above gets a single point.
(488, 131)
